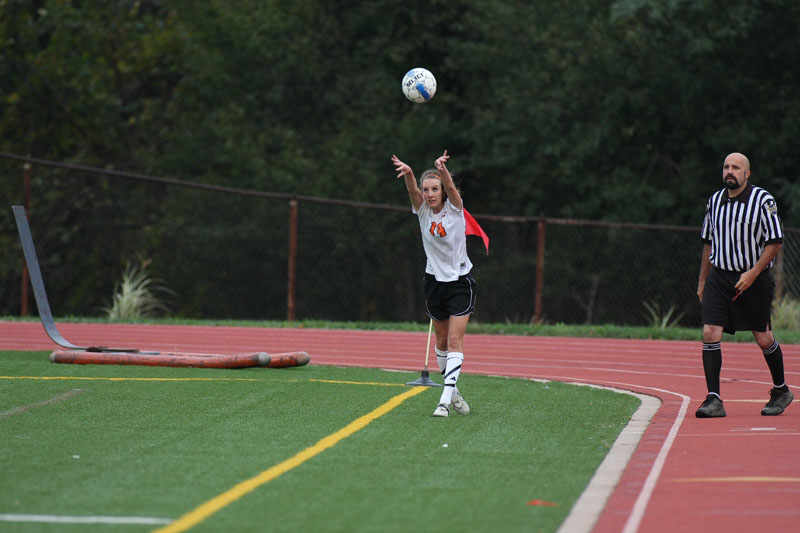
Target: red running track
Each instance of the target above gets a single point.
(736, 474)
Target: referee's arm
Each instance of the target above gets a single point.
(705, 267)
(747, 278)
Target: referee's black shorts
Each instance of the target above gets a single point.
(750, 311)
(444, 299)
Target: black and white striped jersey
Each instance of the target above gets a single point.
(739, 228)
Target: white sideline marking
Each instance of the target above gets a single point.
(587, 509)
(637, 513)
(60, 519)
(55, 399)
(635, 519)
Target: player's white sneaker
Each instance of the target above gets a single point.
(459, 404)
(442, 410)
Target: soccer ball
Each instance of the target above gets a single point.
(419, 85)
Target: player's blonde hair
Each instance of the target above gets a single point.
(430, 173)
(433, 173)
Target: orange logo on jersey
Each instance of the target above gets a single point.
(437, 229)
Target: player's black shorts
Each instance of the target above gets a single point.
(444, 299)
(750, 311)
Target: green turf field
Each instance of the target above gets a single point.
(167, 443)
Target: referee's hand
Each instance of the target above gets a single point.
(746, 280)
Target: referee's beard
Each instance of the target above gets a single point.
(731, 183)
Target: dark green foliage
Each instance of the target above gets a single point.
(573, 106)
(596, 110)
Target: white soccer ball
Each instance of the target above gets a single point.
(419, 85)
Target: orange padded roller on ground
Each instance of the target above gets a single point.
(198, 360)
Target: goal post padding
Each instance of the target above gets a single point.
(178, 359)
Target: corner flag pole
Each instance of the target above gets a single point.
(424, 379)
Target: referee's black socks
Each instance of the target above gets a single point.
(774, 358)
(712, 365)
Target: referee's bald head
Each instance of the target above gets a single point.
(736, 172)
(740, 159)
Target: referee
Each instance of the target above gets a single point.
(742, 235)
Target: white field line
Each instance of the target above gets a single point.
(632, 525)
(634, 520)
(587, 509)
(200, 513)
(55, 399)
(61, 519)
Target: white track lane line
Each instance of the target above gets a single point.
(635, 518)
(639, 507)
(589, 506)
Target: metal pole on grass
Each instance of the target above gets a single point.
(424, 380)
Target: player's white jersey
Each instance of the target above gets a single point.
(445, 241)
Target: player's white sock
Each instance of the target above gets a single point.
(441, 359)
(451, 372)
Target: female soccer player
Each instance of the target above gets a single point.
(449, 288)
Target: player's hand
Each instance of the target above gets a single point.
(402, 168)
(439, 163)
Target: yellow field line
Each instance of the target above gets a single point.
(85, 378)
(205, 510)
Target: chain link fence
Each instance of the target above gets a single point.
(224, 253)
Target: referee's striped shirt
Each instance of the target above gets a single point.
(739, 228)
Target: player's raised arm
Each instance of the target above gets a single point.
(404, 171)
(447, 181)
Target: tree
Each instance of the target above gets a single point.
(588, 109)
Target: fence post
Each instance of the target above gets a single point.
(537, 301)
(26, 187)
(292, 259)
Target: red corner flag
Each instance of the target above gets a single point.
(473, 228)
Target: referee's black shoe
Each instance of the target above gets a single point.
(778, 401)
(711, 408)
